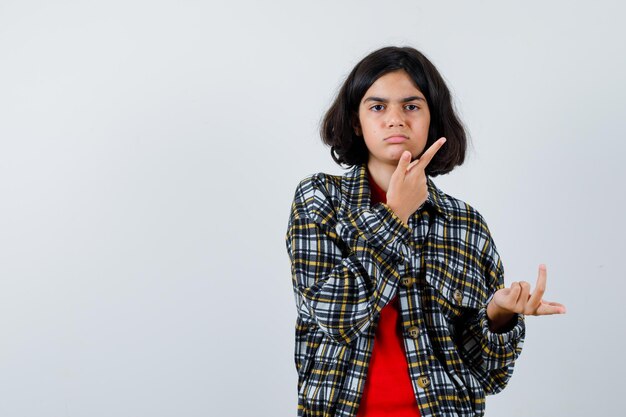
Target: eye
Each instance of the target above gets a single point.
(377, 107)
(411, 107)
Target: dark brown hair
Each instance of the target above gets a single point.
(337, 127)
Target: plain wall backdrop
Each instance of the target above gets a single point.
(149, 152)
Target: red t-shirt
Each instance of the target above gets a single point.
(388, 391)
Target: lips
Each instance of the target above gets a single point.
(396, 139)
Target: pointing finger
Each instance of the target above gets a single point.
(430, 153)
(412, 165)
(540, 288)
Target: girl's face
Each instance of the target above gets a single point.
(393, 117)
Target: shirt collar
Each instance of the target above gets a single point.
(355, 184)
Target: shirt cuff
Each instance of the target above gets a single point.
(383, 229)
(514, 335)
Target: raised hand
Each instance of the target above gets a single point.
(518, 299)
(408, 188)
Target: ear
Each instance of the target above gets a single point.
(356, 126)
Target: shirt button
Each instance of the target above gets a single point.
(407, 281)
(458, 295)
(413, 331)
(423, 381)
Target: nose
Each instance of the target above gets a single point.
(395, 117)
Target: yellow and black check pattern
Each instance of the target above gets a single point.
(349, 259)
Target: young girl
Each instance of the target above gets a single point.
(402, 308)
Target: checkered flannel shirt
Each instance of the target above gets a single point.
(350, 258)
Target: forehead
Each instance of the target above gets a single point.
(395, 84)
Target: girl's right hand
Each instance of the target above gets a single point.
(408, 188)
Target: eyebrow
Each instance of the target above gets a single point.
(404, 100)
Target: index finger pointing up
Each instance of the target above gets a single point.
(430, 153)
(540, 287)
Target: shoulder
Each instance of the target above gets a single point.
(470, 227)
(466, 215)
(472, 239)
(316, 196)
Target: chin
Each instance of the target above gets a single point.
(395, 156)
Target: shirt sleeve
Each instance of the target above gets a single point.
(491, 354)
(344, 270)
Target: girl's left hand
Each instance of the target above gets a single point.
(518, 299)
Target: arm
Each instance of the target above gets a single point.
(344, 271)
(491, 350)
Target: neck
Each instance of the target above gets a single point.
(380, 172)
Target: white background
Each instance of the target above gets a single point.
(149, 151)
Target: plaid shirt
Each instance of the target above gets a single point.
(349, 259)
